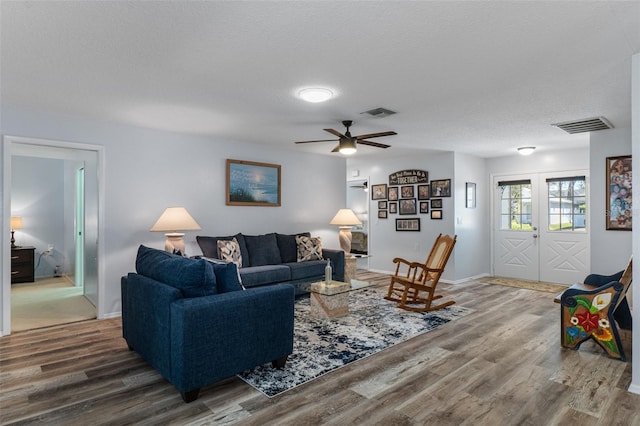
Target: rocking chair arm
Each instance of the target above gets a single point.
(401, 260)
(424, 267)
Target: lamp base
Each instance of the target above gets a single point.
(345, 240)
(174, 243)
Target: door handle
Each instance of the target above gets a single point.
(535, 235)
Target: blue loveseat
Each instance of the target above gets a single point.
(194, 323)
(272, 258)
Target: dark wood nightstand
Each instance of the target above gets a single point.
(22, 265)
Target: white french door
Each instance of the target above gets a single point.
(541, 227)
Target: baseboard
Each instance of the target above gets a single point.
(111, 315)
(442, 280)
(634, 389)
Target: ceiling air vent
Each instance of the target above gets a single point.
(379, 112)
(585, 125)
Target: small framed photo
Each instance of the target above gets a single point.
(382, 214)
(379, 192)
(436, 214)
(408, 224)
(423, 192)
(393, 208)
(408, 206)
(393, 193)
(382, 205)
(424, 207)
(406, 191)
(619, 203)
(441, 188)
(436, 203)
(471, 195)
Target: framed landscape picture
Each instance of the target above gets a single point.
(408, 224)
(619, 201)
(253, 184)
(441, 188)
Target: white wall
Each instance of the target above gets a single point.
(610, 250)
(635, 137)
(147, 171)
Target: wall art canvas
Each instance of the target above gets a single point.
(253, 184)
(619, 201)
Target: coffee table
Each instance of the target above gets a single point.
(332, 301)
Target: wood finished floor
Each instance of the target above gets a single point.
(501, 365)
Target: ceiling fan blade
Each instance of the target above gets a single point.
(375, 135)
(336, 149)
(322, 140)
(375, 144)
(335, 132)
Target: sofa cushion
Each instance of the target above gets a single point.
(229, 251)
(227, 275)
(309, 248)
(209, 246)
(263, 249)
(288, 246)
(302, 270)
(193, 277)
(266, 274)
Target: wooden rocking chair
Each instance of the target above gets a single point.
(421, 277)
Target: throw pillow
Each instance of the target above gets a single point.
(288, 247)
(309, 248)
(227, 275)
(229, 251)
(263, 249)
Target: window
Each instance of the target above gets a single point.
(567, 204)
(515, 205)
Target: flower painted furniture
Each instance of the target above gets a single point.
(595, 310)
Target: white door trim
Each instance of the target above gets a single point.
(9, 142)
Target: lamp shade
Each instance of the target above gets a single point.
(16, 222)
(175, 219)
(345, 217)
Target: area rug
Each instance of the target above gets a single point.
(529, 285)
(322, 346)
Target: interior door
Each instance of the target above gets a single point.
(541, 227)
(516, 248)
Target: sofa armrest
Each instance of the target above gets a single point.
(146, 322)
(337, 262)
(217, 336)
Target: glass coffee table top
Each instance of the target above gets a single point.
(337, 287)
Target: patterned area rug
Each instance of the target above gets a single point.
(530, 285)
(321, 346)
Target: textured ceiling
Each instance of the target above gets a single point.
(476, 77)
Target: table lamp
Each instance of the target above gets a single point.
(16, 223)
(345, 219)
(175, 219)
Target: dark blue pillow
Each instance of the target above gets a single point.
(227, 277)
(193, 277)
(263, 249)
(288, 246)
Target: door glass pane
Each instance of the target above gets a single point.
(567, 204)
(515, 207)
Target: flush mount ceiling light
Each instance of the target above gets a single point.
(315, 94)
(526, 150)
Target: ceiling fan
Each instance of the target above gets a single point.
(347, 143)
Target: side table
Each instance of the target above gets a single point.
(22, 264)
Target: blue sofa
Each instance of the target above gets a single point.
(272, 258)
(193, 322)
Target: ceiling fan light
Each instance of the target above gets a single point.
(347, 146)
(526, 150)
(315, 94)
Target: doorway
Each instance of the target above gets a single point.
(541, 227)
(358, 201)
(72, 205)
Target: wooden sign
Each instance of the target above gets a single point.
(408, 177)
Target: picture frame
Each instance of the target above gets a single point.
(393, 193)
(382, 214)
(379, 191)
(441, 188)
(393, 208)
(436, 203)
(407, 206)
(382, 205)
(423, 192)
(470, 190)
(619, 202)
(412, 225)
(436, 214)
(424, 207)
(406, 191)
(250, 183)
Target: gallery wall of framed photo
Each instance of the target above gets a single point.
(410, 193)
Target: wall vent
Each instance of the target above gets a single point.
(585, 125)
(379, 112)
